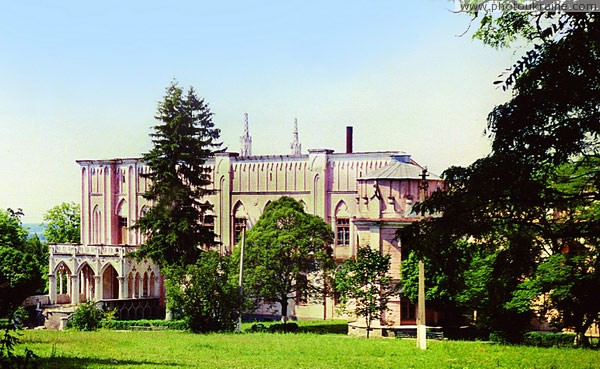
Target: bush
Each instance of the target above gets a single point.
(127, 324)
(547, 339)
(86, 317)
(284, 328)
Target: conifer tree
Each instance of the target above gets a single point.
(184, 139)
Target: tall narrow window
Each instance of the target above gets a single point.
(342, 226)
(122, 231)
(238, 225)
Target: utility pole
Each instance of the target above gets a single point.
(421, 321)
(241, 280)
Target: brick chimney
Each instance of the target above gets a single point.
(349, 140)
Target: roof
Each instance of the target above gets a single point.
(400, 167)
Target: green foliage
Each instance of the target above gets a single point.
(366, 283)
(12, 233)
(287, 253)
(87, 317)
(183, 140)
(204, 293)
(128, 324)
(22, 262)
(546, 339)
(19, 277)
(63, 223)
(8, 341)
(108, 317)
(39, 250)
(536, 194)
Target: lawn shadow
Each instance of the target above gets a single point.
(63, 362)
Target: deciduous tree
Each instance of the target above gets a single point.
(287, 252)
(205, 293)
(515, 207)
(20, 274)
(366, 284)
(63, 223)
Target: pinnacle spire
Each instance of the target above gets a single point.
(246, 139)
(296, 146)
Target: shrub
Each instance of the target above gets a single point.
(284, 328)
(127, 324)
(546, 339)
(86, 317)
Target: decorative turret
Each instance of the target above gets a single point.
(245, 139)
(296, 146)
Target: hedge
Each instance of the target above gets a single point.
(547, 339)
(127, 324)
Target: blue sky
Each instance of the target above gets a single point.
(81, 81)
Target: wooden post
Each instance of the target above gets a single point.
(421, 321)
(241, 280)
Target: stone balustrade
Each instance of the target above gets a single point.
(99, 250)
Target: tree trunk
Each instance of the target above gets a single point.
(284, 309)
(581, 339)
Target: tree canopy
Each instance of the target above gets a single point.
(20, 272)
(534, 199)
(286, 253)
(365, 284)
(63, 223)
(184, 139)
(205, 293)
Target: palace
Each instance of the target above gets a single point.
(364, 196)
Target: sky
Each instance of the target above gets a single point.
(81, 80)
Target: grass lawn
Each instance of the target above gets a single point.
(173, 349)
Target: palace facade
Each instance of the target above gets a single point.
(364, 196)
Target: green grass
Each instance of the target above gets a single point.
(173, 349)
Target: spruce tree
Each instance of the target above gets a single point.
(184, 139)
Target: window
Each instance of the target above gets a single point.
(122, 233)
(408, 310)
(208, 221)
(342, 232)
(238, 225)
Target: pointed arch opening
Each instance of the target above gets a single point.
(63, 279)
(110, 283)
(136, 284)
(145, 285)
(87, 286)
(130, 285)
(152, 285)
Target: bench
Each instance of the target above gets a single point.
(412, 333)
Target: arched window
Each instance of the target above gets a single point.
(240, 218)
(130, 285)
(152, 285)
(342, 225)
(145, 285)
(143, 237)
(96, 226)
(122, 231)
(136, 285)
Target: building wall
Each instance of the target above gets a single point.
(361, 212)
